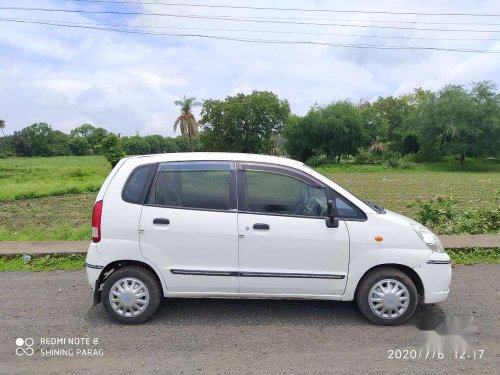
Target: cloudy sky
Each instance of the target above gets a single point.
(127, 82)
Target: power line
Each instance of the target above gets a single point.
(140, 2)
(289, 9)
(279, 32)
(241, 19)
(263, 41)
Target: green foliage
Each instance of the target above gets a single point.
(374, 123)
(393, 110)
(184, 144)
(7, 147)
(333, 130)
(365, 156)
(445, 216)
(92, 135)
(316, 160)
(155, 143)
(243, 123)
(39, 139)
(386, 156)
(135, 145)
(169, 145)
(68, 262)
(79, 146)
(112, 149)
(457, 121)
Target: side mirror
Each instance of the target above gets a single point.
(331, 220)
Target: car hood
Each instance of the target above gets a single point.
(401, 218)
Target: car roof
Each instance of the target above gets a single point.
(212, 156)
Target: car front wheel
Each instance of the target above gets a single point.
(387, 296)
(131, 295)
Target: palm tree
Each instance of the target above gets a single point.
(186, 120)
(2, 126)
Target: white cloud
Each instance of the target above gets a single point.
(128, 83)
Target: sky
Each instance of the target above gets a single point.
(128, 82)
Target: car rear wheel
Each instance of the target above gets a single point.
(131, 295)
(387, 296)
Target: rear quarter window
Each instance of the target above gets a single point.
(137, 185)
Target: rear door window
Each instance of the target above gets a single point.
(197, 185)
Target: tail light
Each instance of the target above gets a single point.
(96, 221)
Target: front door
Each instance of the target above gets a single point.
(188, 228)
(285, 247)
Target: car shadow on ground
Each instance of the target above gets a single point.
(242, 312)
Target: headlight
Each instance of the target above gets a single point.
(430, 239)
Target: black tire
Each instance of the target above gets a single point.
(374, 277)
(145, 277)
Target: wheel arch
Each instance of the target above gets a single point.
(118, 264)
(408, 271)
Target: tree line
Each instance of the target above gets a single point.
(458, 120)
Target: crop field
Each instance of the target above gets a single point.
(399, 190)
(52, 198)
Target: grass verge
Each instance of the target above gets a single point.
(43, 263)
(475, 255)
(76, 261)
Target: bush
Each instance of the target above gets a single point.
(444, 216)
(406, 163)
(365, 156)
(386, 156)
(112, 149)
(316, 160)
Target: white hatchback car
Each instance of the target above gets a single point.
(253, 226)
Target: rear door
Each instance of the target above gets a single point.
(285, 247)
(188, 227)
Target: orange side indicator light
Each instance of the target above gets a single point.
(379, 238)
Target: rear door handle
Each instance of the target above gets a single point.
(261, 226)
(161, 221)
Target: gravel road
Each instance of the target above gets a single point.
(189, 336)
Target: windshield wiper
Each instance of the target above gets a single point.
(376, 207)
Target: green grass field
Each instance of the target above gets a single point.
(22, 178)
(52, 198)
(399, 190)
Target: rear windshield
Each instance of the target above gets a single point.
(137, 185)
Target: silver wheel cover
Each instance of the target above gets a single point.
(389, 299)
(129, 297)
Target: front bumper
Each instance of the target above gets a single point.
(436, 277)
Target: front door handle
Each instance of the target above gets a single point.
(261, 226)
(161, 221)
